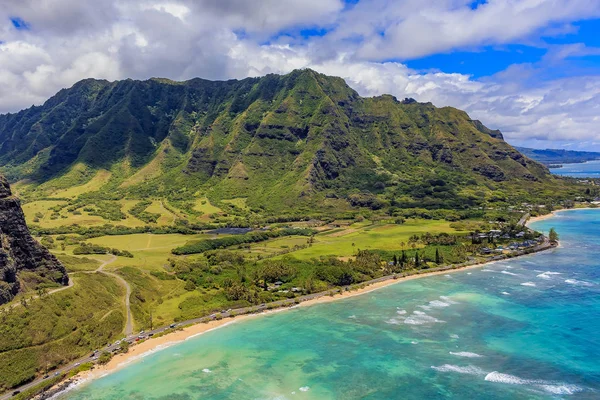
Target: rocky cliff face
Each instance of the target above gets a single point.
(19, 252)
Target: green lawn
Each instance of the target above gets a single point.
(365, 236)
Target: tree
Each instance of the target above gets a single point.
(438, 257)
(552, 235)
(417, 261)
(395, 260)
(124, 346)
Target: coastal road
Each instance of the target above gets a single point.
(523, 219)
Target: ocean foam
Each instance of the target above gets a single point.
(454, 336)
(528, 284)
(469, 369)
(467, 354)
(548, 386)
(438, 304)
(401, 312)
(509, 273)
(547, 275)
(561, 389)
(448, 300)
(395, 321)
(578, 283)
(506, 293)
(420, 318)
(206, 371)
(352, 316)
(304, 389)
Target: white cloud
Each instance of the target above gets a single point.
(71, 40)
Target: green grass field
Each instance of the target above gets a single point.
(150, 251)
(203, 206)
(347, 240)
(99, 180)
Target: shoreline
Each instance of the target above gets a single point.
(553, 214)
(153, 345)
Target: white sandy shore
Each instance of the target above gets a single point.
(553, 214)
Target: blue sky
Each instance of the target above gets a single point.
(530, 68)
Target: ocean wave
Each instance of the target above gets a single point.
(438, 304)
(420, 318)
(528, 284)
(352, 316)
(400, 312)
(578, 283)
(506, 293)
(467, 354)
(509, 273)
(447, 299)
(469, 369)
(395, 321)
(548, 386)
(454, 336)
(548, 275)
(304, 389)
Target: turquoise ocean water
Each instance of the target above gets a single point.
(528, 328)
(590, 169)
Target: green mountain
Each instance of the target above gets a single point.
(297, 141)
(558, 156)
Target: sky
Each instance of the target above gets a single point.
(530, 68)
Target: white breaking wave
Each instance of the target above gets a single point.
(578, 283)
(401, 312)
(206, 371)
(395, 321)
(506, 293)
(469, 369)
(509, 273)
(528, 284)
(548, 275)
(454, 336)
(467, 354)
(420, 318)
(438, 304)
(304, 389)
(548, 386)
(352, 316)
(448, 300)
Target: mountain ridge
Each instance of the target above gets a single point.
(302, 138)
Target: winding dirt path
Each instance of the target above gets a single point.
(123, 282)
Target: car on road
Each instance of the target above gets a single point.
(16, 392)
(172, 326)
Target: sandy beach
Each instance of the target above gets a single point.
(553, 214)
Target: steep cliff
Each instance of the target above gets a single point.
(19, 252)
